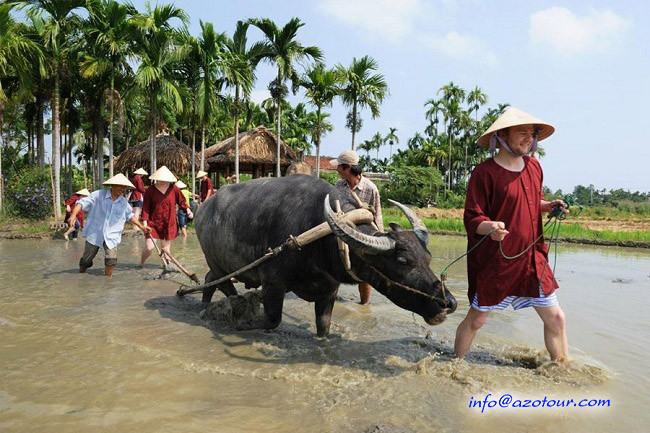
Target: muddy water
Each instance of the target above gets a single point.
(86, 353)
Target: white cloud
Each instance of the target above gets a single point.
(260, 95)
(392, 19)
(461, 47)
(569, 34)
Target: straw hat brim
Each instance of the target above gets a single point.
(83, 191)
(201, 173)
(119, 180)
(141, 172)
(181, 184)
(163, 175)
(514, 117)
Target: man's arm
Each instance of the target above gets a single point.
(139, 225)
(73, 215)
(547, 206)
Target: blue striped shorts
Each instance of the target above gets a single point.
(519, 302)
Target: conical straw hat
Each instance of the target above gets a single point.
(515, 117)
(141, 171)
(83, 192)
(163, 174)
(201, 173)
(181, 184)
(119, 179)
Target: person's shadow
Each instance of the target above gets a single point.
(298, 344)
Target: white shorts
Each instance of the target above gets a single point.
(519, 302)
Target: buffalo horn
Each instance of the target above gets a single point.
(354, 238)
(418, 226)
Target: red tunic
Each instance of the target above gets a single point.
(497, 194)
(159, 210)
(206, 185)
(136, 195)
(72, 201)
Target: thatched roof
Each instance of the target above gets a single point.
(169, 151)
(257, 146)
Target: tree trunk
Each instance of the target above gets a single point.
(203, 147)
(56, 146)
(318, 141)
(354, 121)
(193, 161)
(99, 131)
(40, 134)
(237, 133)
(449, 165)
(152, 137)
(279, 101)
(70, 174)
(110, 131)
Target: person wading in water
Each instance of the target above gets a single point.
(504, 200)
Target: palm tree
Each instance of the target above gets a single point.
(433, 115)
(284, 50)
(238, 66)
(159, 50)
(391, 139)
(209, 47)
(58, 30)
(321, 86)
(377, 141)
(452, 97)
(366, 145)
(361, 89)
(17, 54)
(475, 99)
(110, 32)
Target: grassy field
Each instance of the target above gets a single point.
(573, 231)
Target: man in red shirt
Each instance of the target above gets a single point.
(206, 185)
(136, 199)
(504, 200)
(69, 206)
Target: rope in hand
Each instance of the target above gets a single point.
(556, 216)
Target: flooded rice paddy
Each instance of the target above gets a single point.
(81, 352)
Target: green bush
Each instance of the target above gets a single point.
(416, 186)
(329, 176)
(30, 193)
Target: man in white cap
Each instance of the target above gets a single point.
(69, 205)
(349, 170)
(206, 186)
(504, 201)
(136, 198)
(109, 212)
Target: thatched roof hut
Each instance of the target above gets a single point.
(257, 154)
(169, 151)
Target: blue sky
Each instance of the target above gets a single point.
(582, 66)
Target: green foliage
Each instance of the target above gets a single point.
(329, 176)
(415, 186)
(30, 194)
(452, 200)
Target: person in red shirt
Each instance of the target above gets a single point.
(505, 201)
(69, 206)
(136, 199)
(159, 211)
(206, 186)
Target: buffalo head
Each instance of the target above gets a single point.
(397, 264)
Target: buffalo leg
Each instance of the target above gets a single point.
(273, 300)
(227, 288)
(323, 309)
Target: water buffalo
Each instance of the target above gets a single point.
(241, 222)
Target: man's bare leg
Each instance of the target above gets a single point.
(554, 332)
(467, 330)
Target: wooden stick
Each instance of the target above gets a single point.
(192, 276)
(160, 253)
